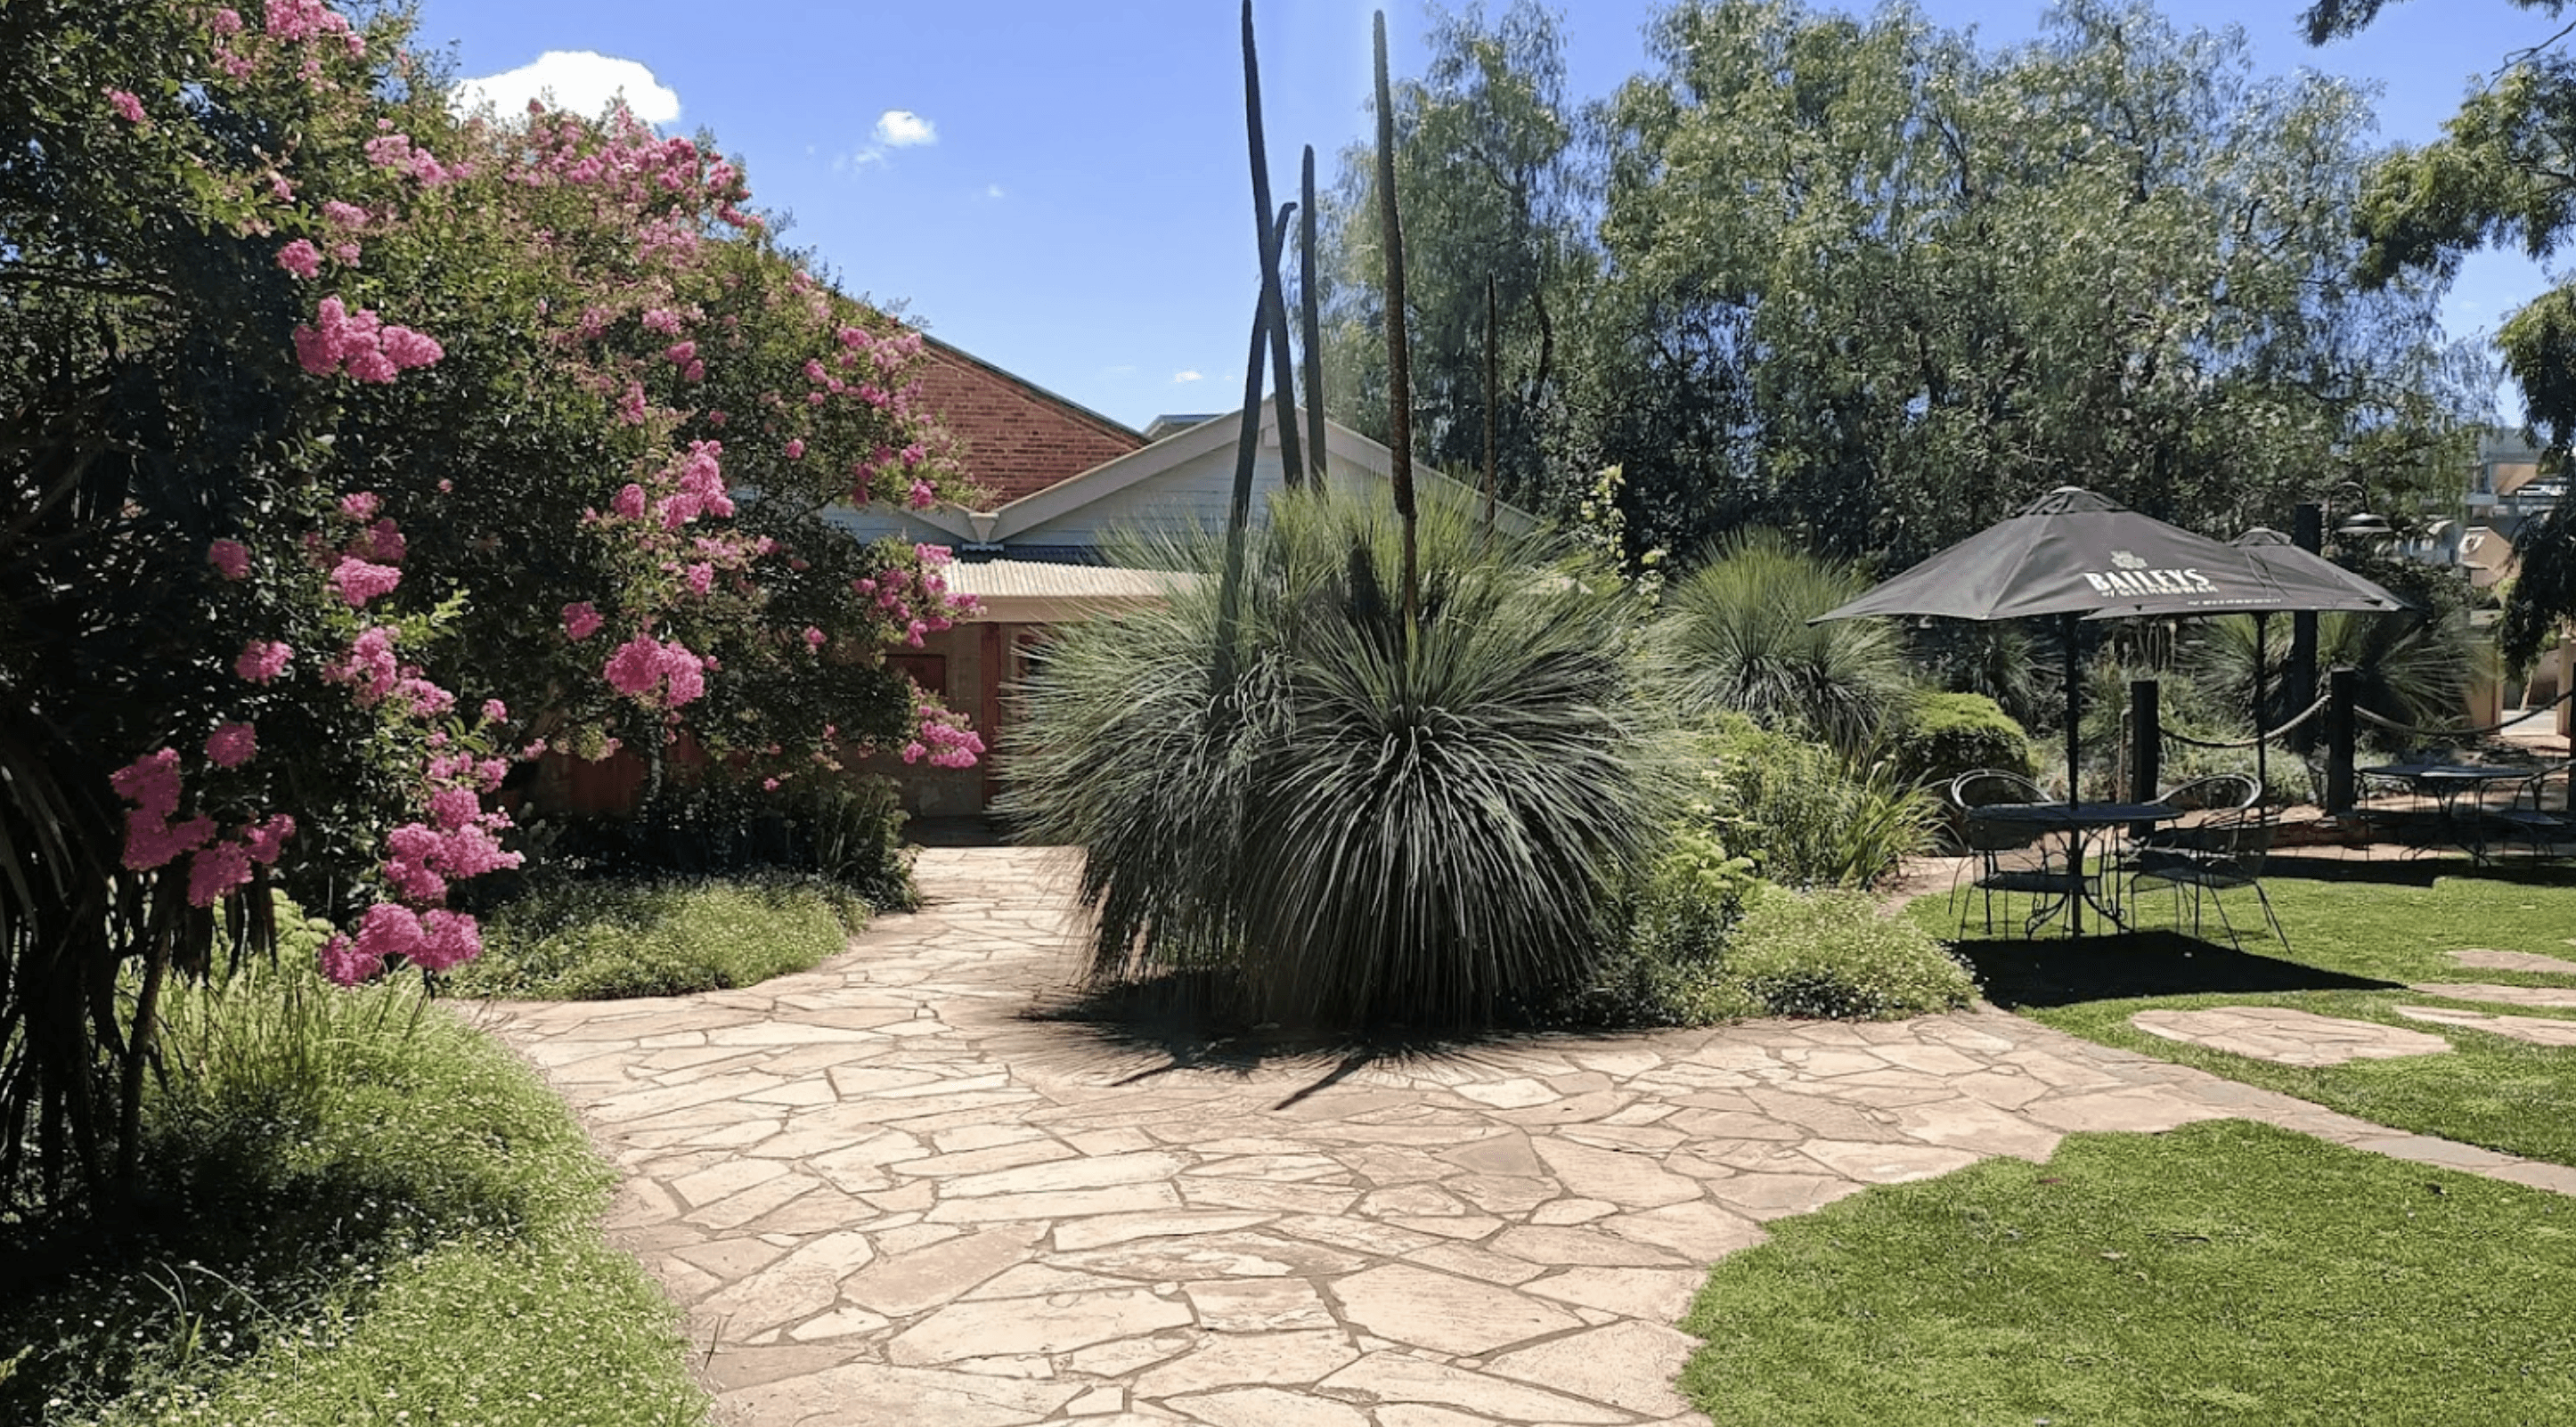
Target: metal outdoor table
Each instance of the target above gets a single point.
(2446, 783)
(2075, 822)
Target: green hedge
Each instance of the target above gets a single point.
(1944, 735)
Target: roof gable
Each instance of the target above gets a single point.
(1020, 438)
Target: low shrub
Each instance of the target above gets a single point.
(574, 940)
(352, 1208)
(849, 833)
(1679, 918)
(1805, 815)
(1833, 955)
(1942, 736)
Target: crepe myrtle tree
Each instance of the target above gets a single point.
(356, 450)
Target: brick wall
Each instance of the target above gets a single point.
(1020, 439)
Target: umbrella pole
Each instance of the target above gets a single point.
(2263, 784)
(2074, 716)
(2074, 705)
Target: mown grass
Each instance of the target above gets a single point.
(603, 940)
(2359, 935)
(2223, 1273)
(355, 1209)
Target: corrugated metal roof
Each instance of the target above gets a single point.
(1045, 580)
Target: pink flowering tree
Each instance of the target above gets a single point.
(357, 455)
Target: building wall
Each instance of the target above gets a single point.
(1019, 438)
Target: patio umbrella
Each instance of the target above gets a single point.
(2280, 555)
(2078, 555)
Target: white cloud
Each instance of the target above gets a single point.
(903, 129)
(580, 80)
(1186, 377)
(992, 190)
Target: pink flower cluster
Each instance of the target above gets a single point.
(581, 621)
(460, 839)
(263, 659)
(152, 840)
(302, 19)
(374, 676)
(434, 941)
(126, 105)
(943, 737)
(151, 783)
(232, 744)
(301, 258)
(231, 558)
(362, 580)
(650, 671)
(370, 349)
(395, 151)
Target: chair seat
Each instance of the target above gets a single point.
(2214, 876)
(2028, 879)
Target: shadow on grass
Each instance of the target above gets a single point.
(2066, 971)
(222, 1247)
(2396, 870)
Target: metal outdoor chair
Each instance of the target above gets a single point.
(2220, 850)
(2529, 819)
(1991, 843)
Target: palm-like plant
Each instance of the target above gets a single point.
(1735, 636)
(1360, 828)
(2415, 670)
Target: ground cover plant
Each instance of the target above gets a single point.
(589, 940)
(2225, 1272)
(359, 1211)
(2359, 935)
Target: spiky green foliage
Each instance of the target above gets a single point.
(1364, 827)
(2414, 671)
(1736, 636)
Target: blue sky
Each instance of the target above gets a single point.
(1061, 188)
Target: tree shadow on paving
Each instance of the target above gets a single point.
(2065, 972)
(1184, 1022)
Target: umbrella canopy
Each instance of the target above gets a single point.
(2072, 552)
(2330, 585)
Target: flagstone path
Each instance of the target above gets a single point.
(885, 1194)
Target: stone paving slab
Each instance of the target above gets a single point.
(2488, 959)
(2546, 997)
(2286, 1036)
(884, 1194)
(2538, 1030)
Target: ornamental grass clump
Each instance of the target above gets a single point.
(1368, 823)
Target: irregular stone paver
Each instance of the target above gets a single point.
(2488, 959)
(2549, 997)
(2535, 1029)
(2289, 1037)
(885, 1194)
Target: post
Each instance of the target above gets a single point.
(2146, 746)
(2343, 685)
(2299, 676)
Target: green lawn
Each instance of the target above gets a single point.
(2358, 934)
(2223, 1273)
(354, 1210)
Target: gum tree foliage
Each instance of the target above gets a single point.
(1959, 277)
(292, 358)
(1487, 158)
(2503, 173)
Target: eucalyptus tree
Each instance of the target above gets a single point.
(2503, 173)
(1487, 158)
(1957, 277)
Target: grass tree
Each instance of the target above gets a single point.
(1735, 635)
(1382, 819)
